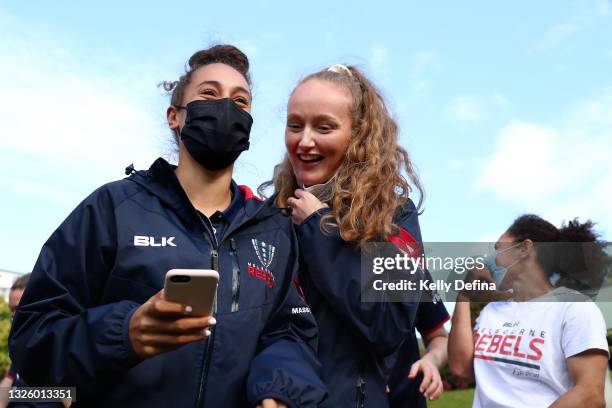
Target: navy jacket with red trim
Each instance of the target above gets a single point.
(111, 255)
(404, 392)
(355, 336)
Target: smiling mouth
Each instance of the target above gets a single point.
(310, 158)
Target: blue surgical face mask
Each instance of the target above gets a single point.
(554, 278)
(498, 272)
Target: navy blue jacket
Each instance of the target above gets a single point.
(404, 392)
(96, 269)
(354, 336)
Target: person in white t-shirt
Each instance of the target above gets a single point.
(543, 345)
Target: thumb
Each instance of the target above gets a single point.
(158, 296)
(414, 370)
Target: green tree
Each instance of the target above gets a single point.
(5, 327)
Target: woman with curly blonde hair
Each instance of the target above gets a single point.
(343, 180)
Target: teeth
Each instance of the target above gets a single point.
(309, 157)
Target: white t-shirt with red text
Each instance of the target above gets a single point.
(521, 347)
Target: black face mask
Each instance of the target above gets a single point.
(216, 132)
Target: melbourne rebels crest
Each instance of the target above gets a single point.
(265, 254)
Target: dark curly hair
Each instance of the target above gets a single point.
(574, 251)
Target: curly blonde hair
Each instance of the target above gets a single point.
(369, 185)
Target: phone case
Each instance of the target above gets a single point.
(193, 287)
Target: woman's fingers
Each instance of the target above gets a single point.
(148, 344)
(299, 193)
(427, 377)
(303, 205)
(269, 403)
(414, 370)
(185, 325)
(150, 351)
(172, 340)
(272, 403)
(435, 382)
(162, 308)
(159, 326)
(437, 392)
(301, 197)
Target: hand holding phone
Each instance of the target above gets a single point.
(161, 325)
(195, 288)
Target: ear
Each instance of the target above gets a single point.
(172, 116)
(527, 246)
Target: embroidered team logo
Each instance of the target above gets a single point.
(265, 254)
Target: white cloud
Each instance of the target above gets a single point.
(473, 108)
(556, 35)
(424, 60)
(41, 190)
(464, 109)
(561, 33)
(561, 171)
(54, 110)
(604, 8)
(73, 118)
(593, 202)
(379, 57)
(420, 87)
(456, 165)
(523, 164)
(501, 100)
(249, 46)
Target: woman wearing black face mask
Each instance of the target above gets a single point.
(94, 315)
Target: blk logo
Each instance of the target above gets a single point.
(141, 240)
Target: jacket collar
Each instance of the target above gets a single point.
(161, 181)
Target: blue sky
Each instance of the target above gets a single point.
(505, 108)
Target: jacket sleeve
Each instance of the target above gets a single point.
(286, 367)
(334, 269)
(430, 317)
(61, 335)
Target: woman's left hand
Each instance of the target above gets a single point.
(302, 205)
(271, 403)
(431, 387)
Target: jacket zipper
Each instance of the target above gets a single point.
(360, 392)
(235, 275)
(209, 343)
(208, 347)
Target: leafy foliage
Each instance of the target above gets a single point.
(5, 327)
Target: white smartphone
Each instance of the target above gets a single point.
(193, 287)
